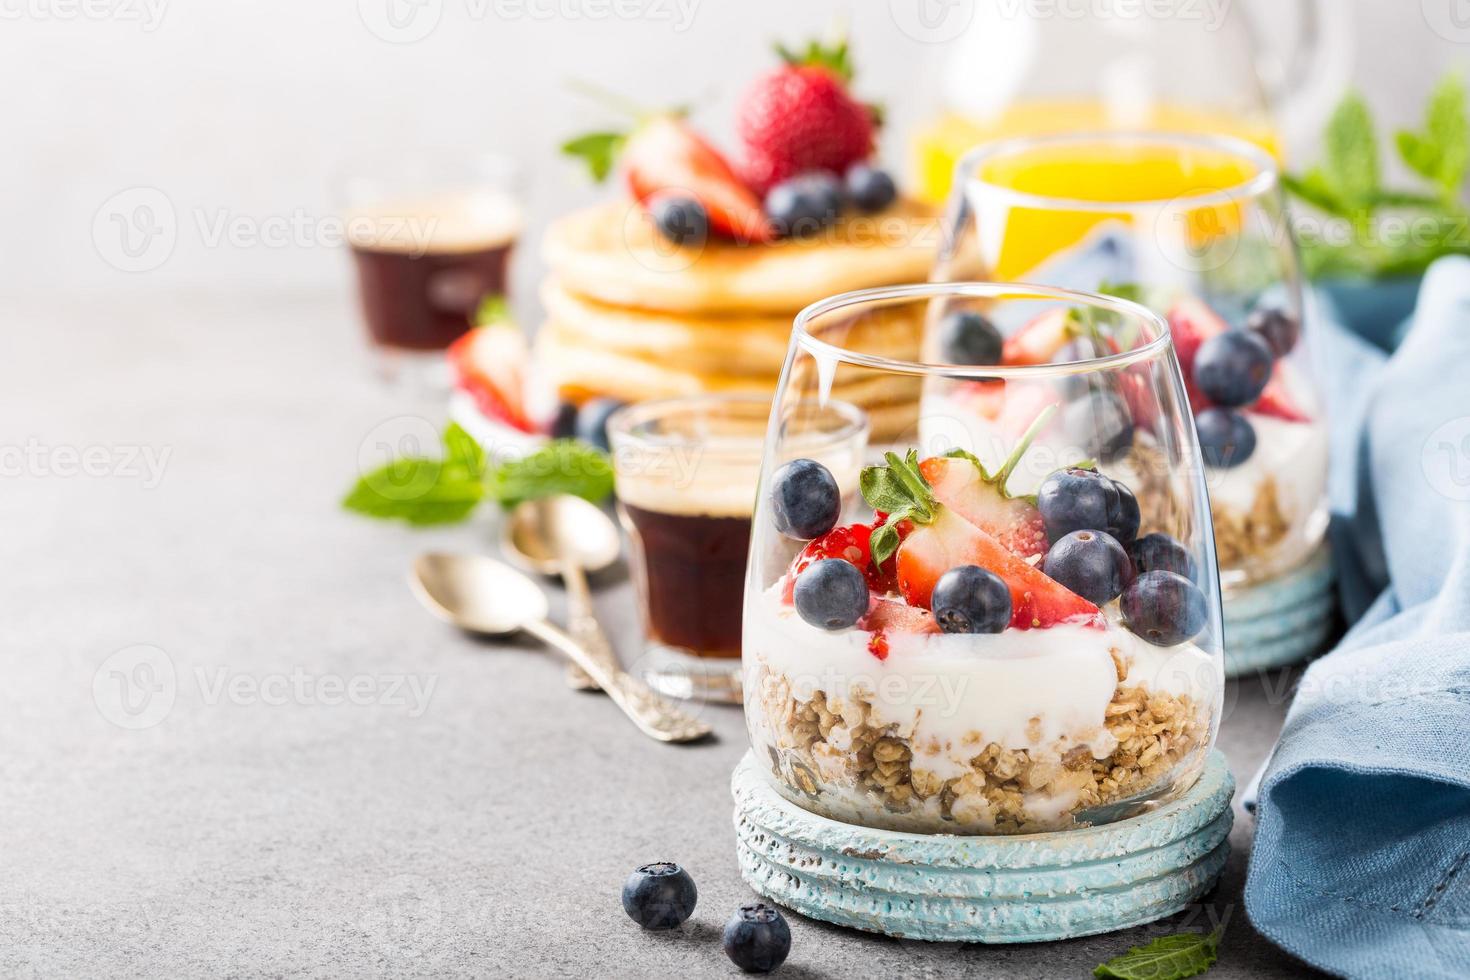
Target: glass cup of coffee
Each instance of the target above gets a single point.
(431, 239)
(687, 470)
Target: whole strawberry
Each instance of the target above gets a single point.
(800, 117)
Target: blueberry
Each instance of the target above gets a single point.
(805, 501)
(831, 594)
(1232, 369)
(1279, 329)
(757, 938)
(970, 599)
(869, 188)
(1161, 553)
(966, 337)
(1090, 563)
(1226, 438)
(659, 896)
(682, 220)
(1103, 424)
(1123, 523)
(564, 424)
(1077, 500)
(804, 205)
(1164, 608)
(592, 421)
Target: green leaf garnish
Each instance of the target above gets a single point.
(424, 491)
(900, 491)
(1348, 185)
(492, 309)
(563, 466)
(1169, 958)
(599, 151)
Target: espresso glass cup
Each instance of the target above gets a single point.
(686, 471)
(432, 239)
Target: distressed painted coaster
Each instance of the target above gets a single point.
(1034, 888)
(1283, 622)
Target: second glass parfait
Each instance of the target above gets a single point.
(1014, 627)
(1193, 227)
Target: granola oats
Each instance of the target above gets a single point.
(1243, 536)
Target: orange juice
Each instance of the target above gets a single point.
(938, 147)
(1151, 181)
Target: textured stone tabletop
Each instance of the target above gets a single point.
(235, 745)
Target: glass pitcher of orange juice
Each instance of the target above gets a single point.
(1040, 67)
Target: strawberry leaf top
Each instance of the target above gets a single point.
(836, 57)
(900, 491)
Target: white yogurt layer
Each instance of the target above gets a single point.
(950, 695)
(1293, 453)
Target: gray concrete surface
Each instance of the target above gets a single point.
(219, 805)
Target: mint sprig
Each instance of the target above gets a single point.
(1348, 184)
(1168, 958)
(900, 491)
(599, 151)
(422, 491)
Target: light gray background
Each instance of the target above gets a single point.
(252, 829)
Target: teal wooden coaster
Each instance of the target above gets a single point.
(1282, 622)
(1022, 889)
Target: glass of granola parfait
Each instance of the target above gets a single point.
(996, 636)
(1194, 227)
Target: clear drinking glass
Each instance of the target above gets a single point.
(1195, 228)
(431, 238)
(686, 471)
(1015, 627)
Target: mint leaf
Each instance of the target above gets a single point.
(492, 309)
(883, 543)
(598, 150)
(424, 491)
(899, 490)
(563, 466)
(1441, 152)
(1169, 958)
(1351, 164)
(1315, 188)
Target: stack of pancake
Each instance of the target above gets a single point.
(633, 317)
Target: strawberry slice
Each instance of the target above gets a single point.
(949, 541)
(963, 486)
(491, 363)
(1192, 322)
(850, 544)
(941, 539)
(1038, 341)
(1275, 401)
(665, 154)
(896, 616)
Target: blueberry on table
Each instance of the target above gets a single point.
(592, 421)
(1077, 500)
(1164, 608)
(805, 499)
(564, 423)
(970, 599)
(1123, 523)
(757, 938)
(1233, 368)
(659, 896)
(682, 220)
(1103, 423)
(1161, 553)
(1226, 438)
(1090, 563)
(870, 188)
(1279, 329)
(966, 337)
(804, 205)
(831, 594)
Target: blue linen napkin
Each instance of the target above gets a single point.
(1361, 864)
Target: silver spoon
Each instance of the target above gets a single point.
(483, 595)
(570, 537)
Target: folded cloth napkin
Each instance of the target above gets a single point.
(1361, 864)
